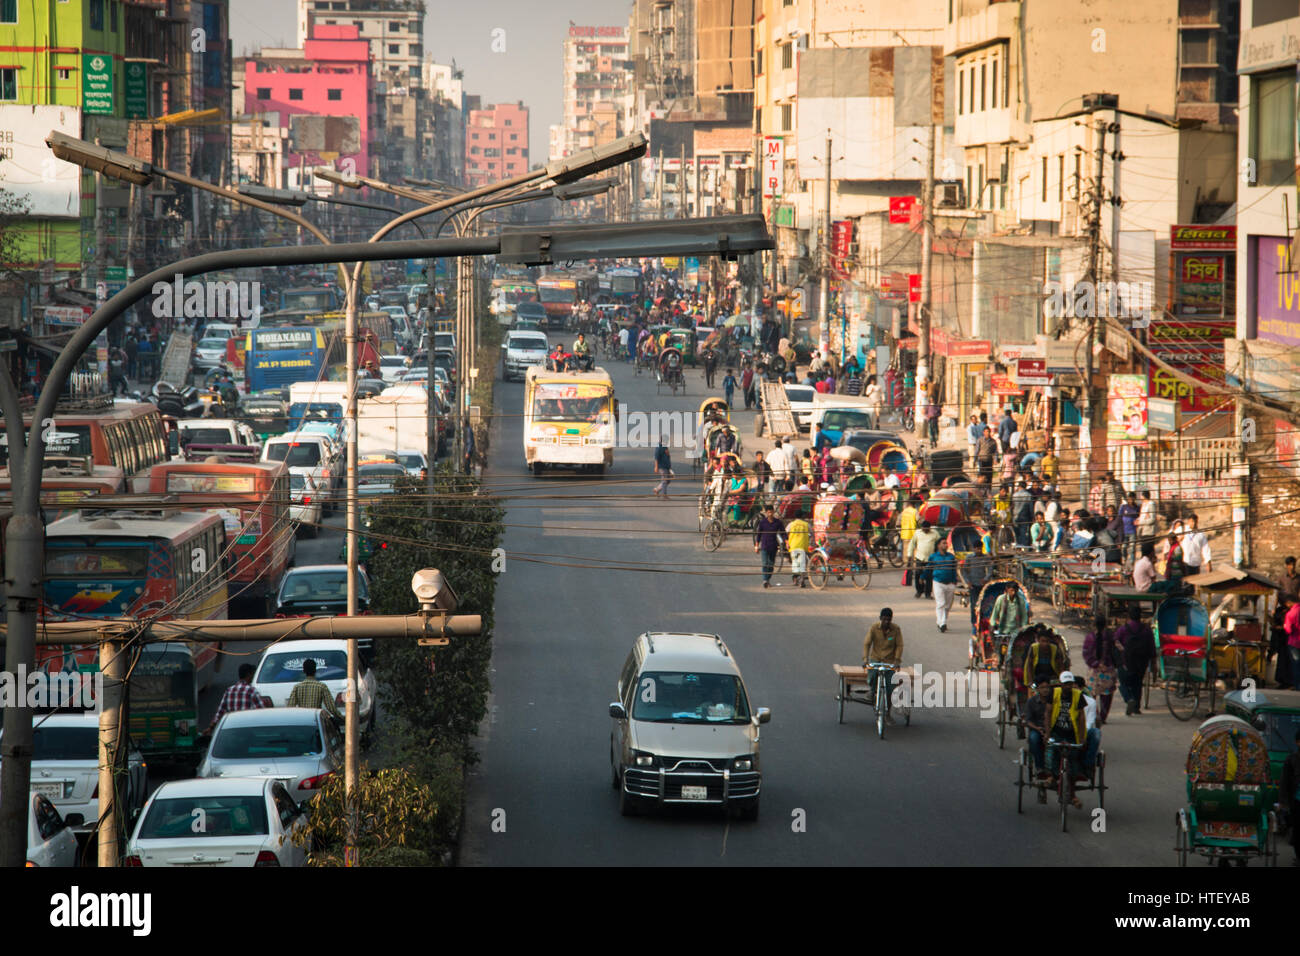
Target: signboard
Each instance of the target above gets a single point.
(1277, 291)
(97, 83)
(773, 166)
(841, 239)
(1003, 385)
(914, 287)
(51, 186)
(900, 209)
(135, 90)
(1126, 401)
(1032, 371)
(1162, 414)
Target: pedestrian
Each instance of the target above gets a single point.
(767, 541)
(924, 544)
(985, 451)
(762, 474)
(942, 567)
(663, 468)
(798, 541)
(1103, 658)
(238, 696)
(309, 692)
(1138, 647)
(729, 388)
(1146, 519)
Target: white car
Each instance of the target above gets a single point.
(50, 841)
(65, 768)
(298, 746)
(801, 402)
(304, 501)
(227, 822)
(281, 667)
(391, 367)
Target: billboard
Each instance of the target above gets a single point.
(1126, 403)
(30, 170)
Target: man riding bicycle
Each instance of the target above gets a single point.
(883, 645)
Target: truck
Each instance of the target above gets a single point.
(569, 420)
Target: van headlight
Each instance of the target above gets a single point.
(643, 759)
(745, 763)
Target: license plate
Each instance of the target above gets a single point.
(51, 791)
(695, 793)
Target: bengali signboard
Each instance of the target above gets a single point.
(1126, 401)
(1277, 292)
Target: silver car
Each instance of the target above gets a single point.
(299, 746)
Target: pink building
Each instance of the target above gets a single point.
(330, 78)
(496, 143)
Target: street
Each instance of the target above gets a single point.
(939, 792)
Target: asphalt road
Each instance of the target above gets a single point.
(593, 563)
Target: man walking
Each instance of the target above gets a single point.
(238, 696)
(767, 541)
(943, 572)
(663, 467)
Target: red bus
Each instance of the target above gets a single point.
(130, 436)
(252, 499)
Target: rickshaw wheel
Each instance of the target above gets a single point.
(818, 571)
(1183, 698)
(714, 535)
(861, 574)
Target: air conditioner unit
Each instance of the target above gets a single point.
(950, 195)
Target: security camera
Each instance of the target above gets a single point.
(433, 592)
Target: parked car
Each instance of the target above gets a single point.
(304, 502)
(299, 746)
(281, 667)
(65, 767)
(692, 739)
(225, 821)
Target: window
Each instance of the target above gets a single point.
(96, 14)
(961, 91)
(983, 83)
(333, 94)
(8, 11)
(263, 92)
(1272, 128)
(787, 56)
(787, 117)
(1044, 174)
(295, 94)
(8, 83)
(993, 87)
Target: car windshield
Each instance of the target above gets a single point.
(223, 816)
(314, 586)
(295, 454)
(293, 740)
(838, 421)
(678, 697)
(285, 667)
(65, 743)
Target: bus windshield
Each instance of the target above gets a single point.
(569, 409)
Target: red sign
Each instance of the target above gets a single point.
(914, 287)
(900, 209)
(1032, 371)
(1203, 237)
(1002, 385)
(841, 239)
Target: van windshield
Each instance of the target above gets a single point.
(683, 698)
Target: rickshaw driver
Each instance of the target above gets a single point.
(883, 645)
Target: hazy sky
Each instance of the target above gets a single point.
(530, 69)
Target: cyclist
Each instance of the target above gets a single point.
(883, 645)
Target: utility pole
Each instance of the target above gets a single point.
(1094, 255)
(824, 321)
(923, 314)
